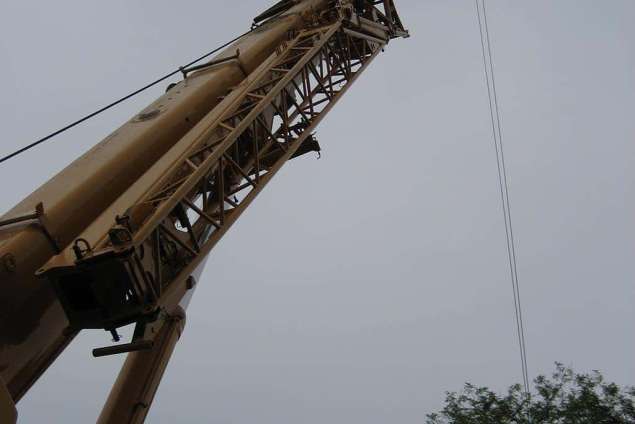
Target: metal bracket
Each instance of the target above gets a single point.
(235, 57)
(123, 348)
(141, 338)
(37, 218)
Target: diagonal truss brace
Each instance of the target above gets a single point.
(167, 233)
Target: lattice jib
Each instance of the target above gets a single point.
(265, 122)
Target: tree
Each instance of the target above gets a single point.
(565, 398)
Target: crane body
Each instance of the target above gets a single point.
(121, 235)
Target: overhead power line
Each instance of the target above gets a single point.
(495, 115)
(119, 101)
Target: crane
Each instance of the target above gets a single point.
(120, 237)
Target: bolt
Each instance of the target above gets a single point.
(9, 262)
(190, 283)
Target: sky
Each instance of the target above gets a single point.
(360, 287)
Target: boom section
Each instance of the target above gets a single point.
(144, 263)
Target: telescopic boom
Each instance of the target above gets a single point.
(121, 235)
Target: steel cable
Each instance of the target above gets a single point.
(119, 101)
(495, 116)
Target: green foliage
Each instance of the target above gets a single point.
(565, 398)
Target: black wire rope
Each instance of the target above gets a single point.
(119, 101)
(509, 212)
(488, 64)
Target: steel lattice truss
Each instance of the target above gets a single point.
(270, 118)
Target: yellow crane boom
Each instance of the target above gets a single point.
(120, 236)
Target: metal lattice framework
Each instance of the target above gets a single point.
(269, 119)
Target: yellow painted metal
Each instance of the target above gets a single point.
(33, 327)
(85, 198)
(8, 413)
(137, 383)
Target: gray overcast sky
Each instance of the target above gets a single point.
(360, 287)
